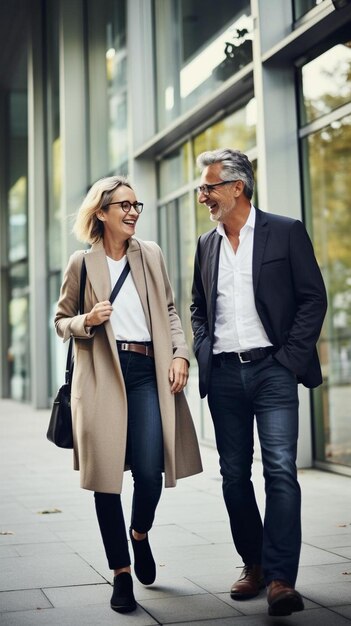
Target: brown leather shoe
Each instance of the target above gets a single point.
(283, 599)
(249, 583)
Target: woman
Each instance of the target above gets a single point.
(130, 368)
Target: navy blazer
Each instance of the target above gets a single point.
(289, 292)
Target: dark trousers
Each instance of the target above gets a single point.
(144, 455)
(267, 390)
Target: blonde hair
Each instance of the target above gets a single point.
(87, 227)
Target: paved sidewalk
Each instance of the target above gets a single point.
(52, 564)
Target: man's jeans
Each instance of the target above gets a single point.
(144, 455)
(267, 390)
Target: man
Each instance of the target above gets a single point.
(258, 306)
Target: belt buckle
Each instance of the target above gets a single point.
(124, 346)
(241, 358)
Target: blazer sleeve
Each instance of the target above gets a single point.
(198, 308)
(311, 302)
(68, 323)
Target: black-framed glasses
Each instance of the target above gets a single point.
(206, 189)
(126, 205)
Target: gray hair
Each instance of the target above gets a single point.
(235, 166)
(87, 226)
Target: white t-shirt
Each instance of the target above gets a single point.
(127, 318)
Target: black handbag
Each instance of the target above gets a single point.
(60, 424)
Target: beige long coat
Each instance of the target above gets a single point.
(98, 399)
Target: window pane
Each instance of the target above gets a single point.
(330, 189)
(173, 170)
(18, 350)
(210, 42)
(18, 219)
(18, 165)
(54, 139)
(237, 131)
(116, 69)
(107, 44)
(326, 82)
(177, 240)
(303, 6)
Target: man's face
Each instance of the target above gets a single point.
(220, 199)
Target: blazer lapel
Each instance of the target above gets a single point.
(260, 239)
(214, 268)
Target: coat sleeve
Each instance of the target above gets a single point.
(311, 301)
(179, 346)
(67, 321)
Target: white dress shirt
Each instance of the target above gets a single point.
(128, 317)
(237, 326)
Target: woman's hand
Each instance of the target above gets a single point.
(178, 374)
(99, 314)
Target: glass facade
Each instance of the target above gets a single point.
(199, 44)
(327, 193)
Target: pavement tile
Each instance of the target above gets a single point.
(166, 586)
(343, 610)
(78, 616)
(305, 618)
(34, 549)
(174, 535)
(79, 595)
(44, 571)
(329, 595)
(258, 605)
(23, 599)
(215, 581)
(324, 574)
(7, 551)
(188, 608)
(310, 555)
(216, 532)
(346, 552)
(26, 533)
(340, 540)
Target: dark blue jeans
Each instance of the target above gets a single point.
(144, 455)
(267, 390)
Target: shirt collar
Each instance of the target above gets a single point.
(250, 222)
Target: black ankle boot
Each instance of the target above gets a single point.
(144, 564)
(122, 599)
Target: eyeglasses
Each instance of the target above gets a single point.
(126, 206)
(206, 189)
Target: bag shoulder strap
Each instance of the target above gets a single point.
(119, 282)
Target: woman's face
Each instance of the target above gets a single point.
(119, 224)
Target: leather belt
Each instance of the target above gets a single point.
(140, 348)
(248, 356)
